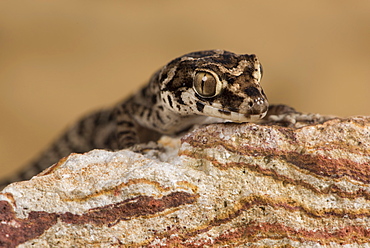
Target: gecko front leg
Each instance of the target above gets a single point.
(127, 129)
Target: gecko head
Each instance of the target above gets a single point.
(215, 83)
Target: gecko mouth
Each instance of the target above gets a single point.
(232, 115)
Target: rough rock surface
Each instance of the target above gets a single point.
(228, 185)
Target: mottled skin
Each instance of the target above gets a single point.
(186, 91)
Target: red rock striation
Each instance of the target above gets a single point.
(305, 184)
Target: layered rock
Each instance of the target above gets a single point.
(301, 184)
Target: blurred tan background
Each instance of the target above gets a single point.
(61, 59)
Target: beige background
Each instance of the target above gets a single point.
(61, 59)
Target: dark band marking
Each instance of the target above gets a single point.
(96, 119)
(225, 112)
(233, 109)
(154, 99)
(200, 106)
(111, 141)
(143, 92)
(125, 123)
(252, 91)
(122, 133)
(178, 96)
(159, 118)
(69, 145)
(170, 101)
(81, 128)
(210, 100)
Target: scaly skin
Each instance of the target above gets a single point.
(186, 91)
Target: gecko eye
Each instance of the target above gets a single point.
(206, 85)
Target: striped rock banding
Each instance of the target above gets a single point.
(226, 185)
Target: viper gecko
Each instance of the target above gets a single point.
(186, 91)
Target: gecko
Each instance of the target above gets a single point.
(184, 92)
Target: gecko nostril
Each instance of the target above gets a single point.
(250, 103)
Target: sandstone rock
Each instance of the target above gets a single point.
(304, 184)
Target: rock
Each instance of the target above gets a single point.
(304, 183)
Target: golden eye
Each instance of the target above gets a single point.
(206, 85)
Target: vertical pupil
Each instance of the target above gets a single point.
(204, 79)
(205, 84)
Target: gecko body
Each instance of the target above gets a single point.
(186, 91)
